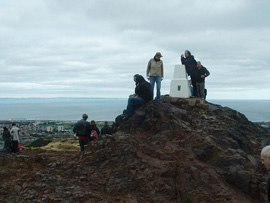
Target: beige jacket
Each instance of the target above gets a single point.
(15, 134)
(154, 68)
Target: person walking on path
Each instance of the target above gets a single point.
(82, 129)
(7, 140)
(200, 82)
(143, 94)
(155, 73)
(191, 68)
(15, 137)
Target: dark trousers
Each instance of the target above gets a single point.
(14, 146)
(82, 143)
(194, 84)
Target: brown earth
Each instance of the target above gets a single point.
(180, 150)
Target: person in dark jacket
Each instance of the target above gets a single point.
(7, 140)
(143, 94)
(106, 129)
(94, 127)
(82, 129)
(191, 68)
(200, 80)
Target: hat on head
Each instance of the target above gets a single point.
(158, 54)
(85, 116)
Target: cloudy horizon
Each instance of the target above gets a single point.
(93, 48)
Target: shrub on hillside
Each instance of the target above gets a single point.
(40, 142)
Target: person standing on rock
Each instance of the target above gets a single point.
(82, 129)
(15, 137)
(155, 74)
(265, 157)
(7, 140)
(191, 68)
(143, 94)
(200, 81)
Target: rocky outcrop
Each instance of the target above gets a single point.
(180, 150)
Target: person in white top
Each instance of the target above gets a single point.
(15, 137)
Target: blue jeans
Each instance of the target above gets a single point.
(133, 102)
(153, 80)
(82, 143)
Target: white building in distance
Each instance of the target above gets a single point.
(60, 128)
(49, 129)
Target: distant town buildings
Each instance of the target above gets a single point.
(49, 129)
(60, 128)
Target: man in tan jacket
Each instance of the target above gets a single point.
(155, 73)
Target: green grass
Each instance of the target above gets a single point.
(40, 142)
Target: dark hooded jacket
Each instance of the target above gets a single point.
(202, 71)
(94, 127)
(106, 130)
(82, 128)
(7, 138)
(143, 89)
(191, 65)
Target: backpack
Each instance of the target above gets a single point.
(94, 133)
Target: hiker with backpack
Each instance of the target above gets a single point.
(94, 131)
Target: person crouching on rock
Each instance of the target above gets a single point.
(265, 156)
(82, 129)
(94, 131)
(143, 94)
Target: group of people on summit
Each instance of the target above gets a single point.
(144, 91)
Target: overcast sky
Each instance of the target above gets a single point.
(92, 48)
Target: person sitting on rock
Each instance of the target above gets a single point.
(143, 94)
(265, 156)
(94, 131)
(201, 75)
(106, 129)
(7, 140)
(82, 129)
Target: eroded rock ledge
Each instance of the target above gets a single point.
(179, 150)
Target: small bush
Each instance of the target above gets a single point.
(40, 142)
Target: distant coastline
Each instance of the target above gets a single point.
(101, 109)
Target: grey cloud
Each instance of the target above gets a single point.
(52, 48)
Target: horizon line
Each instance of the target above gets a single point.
(112, 98)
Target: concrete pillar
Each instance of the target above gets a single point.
(180, 86)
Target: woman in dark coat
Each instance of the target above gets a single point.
(94, 135)
(7, 140)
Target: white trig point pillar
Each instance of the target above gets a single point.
(180, 86)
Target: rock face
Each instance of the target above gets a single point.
(180, 150)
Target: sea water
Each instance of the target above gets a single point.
(102, 109)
